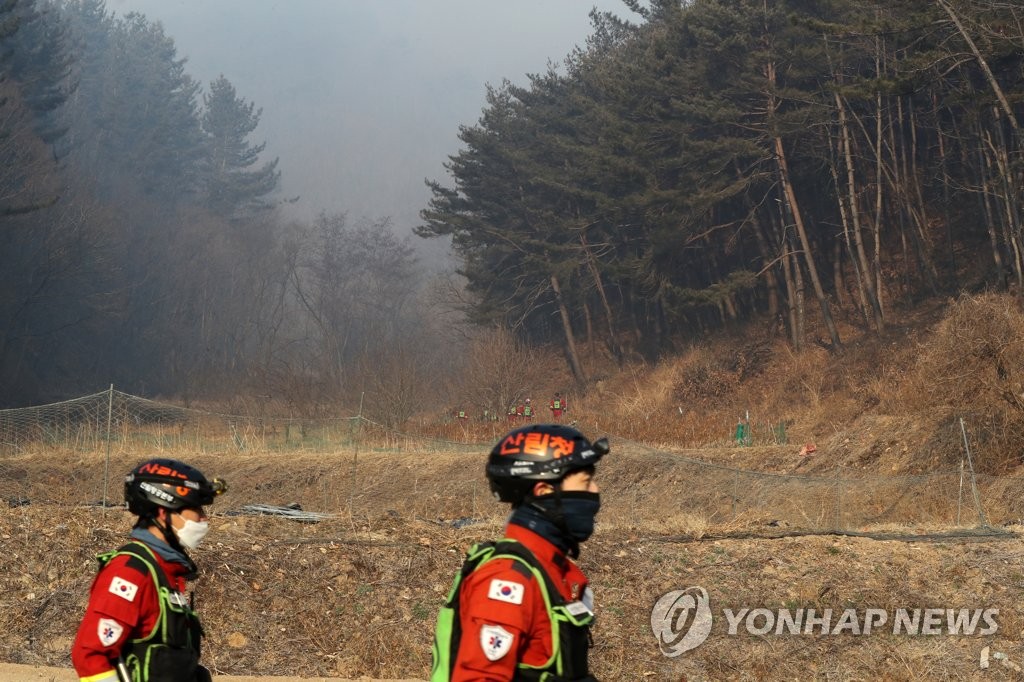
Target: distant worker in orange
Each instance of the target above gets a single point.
(512, 412)
(558, 406)
(528, 411)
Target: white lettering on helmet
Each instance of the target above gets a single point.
(153, 490)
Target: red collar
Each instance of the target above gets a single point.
(561, 569)
(174, 570)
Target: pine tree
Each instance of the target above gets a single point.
(138, 117)
(34, 82)
(37, 57)
(92, 29)
(232, 187)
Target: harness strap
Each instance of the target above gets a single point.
(560, 613)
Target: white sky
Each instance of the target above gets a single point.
(362, 99)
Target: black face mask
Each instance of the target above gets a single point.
(578, 510)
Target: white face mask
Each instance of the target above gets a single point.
(192, 533)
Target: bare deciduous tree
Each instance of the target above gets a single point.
(496, 369)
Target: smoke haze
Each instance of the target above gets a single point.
(362, 100)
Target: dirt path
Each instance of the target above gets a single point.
(10, 672)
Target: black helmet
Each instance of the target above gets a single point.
(170, 484)
(539, 452)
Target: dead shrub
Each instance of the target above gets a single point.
(810, 378)
(973, 367)
(497, 370)
(703, 379)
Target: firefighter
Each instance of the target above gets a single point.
(139, 625)
(513, 594)
(557, 406)
(528, 411)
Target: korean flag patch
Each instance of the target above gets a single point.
(109, 631)
(123, 589)
(506, 590)
(496, 641)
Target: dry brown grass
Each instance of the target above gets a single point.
(357, 594)
(972, 366)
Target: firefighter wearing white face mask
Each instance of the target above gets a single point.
(138, 618)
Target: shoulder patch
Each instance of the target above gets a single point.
(123, 588)
(506, 590)
(109, 631)
(495, 641)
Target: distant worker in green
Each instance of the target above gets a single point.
(558, 406)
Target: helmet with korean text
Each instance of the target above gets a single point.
(170, 484)
(539, 452)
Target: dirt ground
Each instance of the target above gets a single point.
(355, 595)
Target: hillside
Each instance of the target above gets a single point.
(887, 402)
(877, 517)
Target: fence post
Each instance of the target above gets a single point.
(355, 456)
(106, 464)
(837, 524)
(735, 491)
(960, 492)
(974, 483)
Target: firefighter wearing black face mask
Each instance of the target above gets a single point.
(139, 626)
(520, 608)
